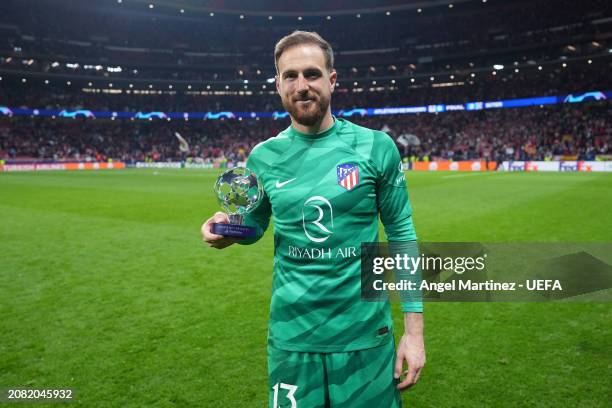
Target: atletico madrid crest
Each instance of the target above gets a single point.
(348, 175)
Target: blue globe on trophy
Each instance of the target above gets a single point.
(238, 191)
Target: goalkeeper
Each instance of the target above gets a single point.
(326, 182)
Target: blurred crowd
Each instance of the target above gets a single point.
(535, 133)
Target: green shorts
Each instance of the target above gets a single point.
(354, 379)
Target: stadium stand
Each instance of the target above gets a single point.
(218, 57)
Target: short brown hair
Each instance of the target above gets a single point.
(304, 37)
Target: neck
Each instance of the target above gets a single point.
(325, 123)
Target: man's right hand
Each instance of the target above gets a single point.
(214, 240)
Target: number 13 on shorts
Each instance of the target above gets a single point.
(291, 389)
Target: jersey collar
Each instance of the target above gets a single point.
(315, 136)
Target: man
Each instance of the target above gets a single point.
(326, 181)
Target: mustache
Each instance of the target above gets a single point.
(303, 98)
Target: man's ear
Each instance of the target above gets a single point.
(277, 83)
(332, 79)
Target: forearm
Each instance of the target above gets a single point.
(413, 324)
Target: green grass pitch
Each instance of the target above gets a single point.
(106, 288)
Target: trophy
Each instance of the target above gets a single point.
(238, 192)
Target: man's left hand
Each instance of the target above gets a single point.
(410, 349)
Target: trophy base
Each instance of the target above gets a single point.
(233, 230)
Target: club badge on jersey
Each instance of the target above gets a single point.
(348, 175)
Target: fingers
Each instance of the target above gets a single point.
(220, 218)
(399, 363)
(207, 234)
(214, 240)
(409, 381)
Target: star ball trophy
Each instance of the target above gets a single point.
(238, 192)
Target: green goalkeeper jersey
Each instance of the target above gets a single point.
(325, 193)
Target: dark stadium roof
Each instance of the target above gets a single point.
(297, 7)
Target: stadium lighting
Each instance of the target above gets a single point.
(89, 84)
(131, 85)
(270, 80)
(300, 18)
(373, 82)
(182, 11)
(452, 77)
(358, 16)
(539, 68)
(450, 5)
(55, 64)
(68, 83)
(263, 86)
(472, 75)
(328, 17)
(388, 13)
(24, 80)
(169, 86)
(498, 66)
(246, 81)
(431, 78)
(564, 65)
(269, 17)
(46, 82)
(188, 86)
(590, 61)
(207, 86)
(411, 79)
(212, 14)
(150, 86)
(110, 85)
(258, 72)
(151, 6)
(226, 86)
(242, 16)
(494, 72)
(516, 70)
(484, 1)
(119, 1)
(419, 10)
(393, 81)
(355, 83)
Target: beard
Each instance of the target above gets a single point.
(309, 114)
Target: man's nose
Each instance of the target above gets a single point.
(302, 84)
